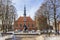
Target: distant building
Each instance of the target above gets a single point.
(58, 26)
(25, 20)
(0, 22)
(41, 22)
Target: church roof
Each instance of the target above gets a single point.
(28, 18)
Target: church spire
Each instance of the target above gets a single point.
(25, 27)
(24, 14)
(24, 10)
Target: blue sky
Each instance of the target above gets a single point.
(31, 7)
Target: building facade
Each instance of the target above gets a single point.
(25, 22)
(58, 26)
(30, 24)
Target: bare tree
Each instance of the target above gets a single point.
(49, 9)
(55, 4)
(41, 18)
(8, 15)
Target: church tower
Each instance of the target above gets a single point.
(25, 15)
(24, 11)
(25, 27)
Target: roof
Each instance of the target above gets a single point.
(21, 19)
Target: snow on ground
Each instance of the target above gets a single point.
(44, 37)
(41, 37)
(1, 38)
(53, 38)
(6, 37)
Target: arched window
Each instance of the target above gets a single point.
(16, 25)
(28, 24)
(32, 25)
(20, 25)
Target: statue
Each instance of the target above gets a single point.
(25, 28)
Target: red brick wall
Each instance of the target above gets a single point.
(29, 22)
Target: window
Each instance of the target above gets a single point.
(32, 25)
(28, 25)
(16, 25)
(20, 25)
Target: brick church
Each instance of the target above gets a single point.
(25, 21)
